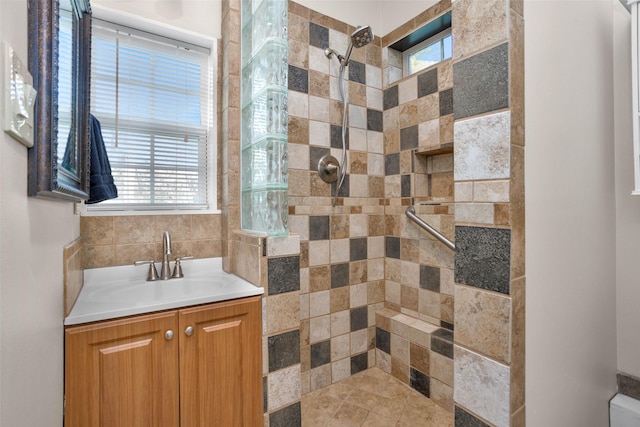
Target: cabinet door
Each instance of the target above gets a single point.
(221, 365)
(123, 373)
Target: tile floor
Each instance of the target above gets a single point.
(371, 398)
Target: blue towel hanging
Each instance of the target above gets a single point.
(101, 185)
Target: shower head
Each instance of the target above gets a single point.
(361, 37)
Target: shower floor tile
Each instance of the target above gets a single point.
(371, 398)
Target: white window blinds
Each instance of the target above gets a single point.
(152, 96)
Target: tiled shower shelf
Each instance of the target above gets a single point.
(435, 150)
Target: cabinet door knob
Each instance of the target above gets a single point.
(168, 335)
(189, 331)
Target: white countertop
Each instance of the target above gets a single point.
(113, 292)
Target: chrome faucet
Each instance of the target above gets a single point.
(165, 272)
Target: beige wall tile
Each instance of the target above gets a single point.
(479, 25)
(482, 385)
(319, 303)
(283, 312)
(340, 347)
(97, 230)
(483, 322)
(339, 299)
(135, 229)
(419, 358)
(283, 387)
(441, 368)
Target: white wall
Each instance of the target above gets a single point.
(383, 15)
(200, 16)
(32, 235)
(570, 217)
(627, 206)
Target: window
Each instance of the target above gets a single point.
(428, 53)
(424, 47)
(153, 96)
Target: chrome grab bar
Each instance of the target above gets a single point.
(411, 213)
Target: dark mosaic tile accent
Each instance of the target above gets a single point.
(289, 416)
(392, 164)
(428, 83)
(443, 334)
(442, 342)
(336, 137)
(409, 138)
(344, 190)
(405, 186)
(359, 318)
(483, 258)
(298, 79)
(319, 227)
(628, 385)
(390, 97)
(419, 382)
(446, 325)
(284, 350)
(392, 247)
(265, 393)
(481, 82)
(339, 275)
(318, 35)
(358, 249)
(359, 363)
(383, 340)
(446, 102)
(357, 72)
(430, 278)
(315, 154)
(283, 274)
(320, 353)
(465, 419)
(374, 120)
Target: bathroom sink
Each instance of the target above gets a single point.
(114, 292)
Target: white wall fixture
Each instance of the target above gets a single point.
(635, 57)
(19, 97)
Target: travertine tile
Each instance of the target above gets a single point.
(284, 387)
(483, 322)
(340, 369)
(97, 230)
(99, 256)
(319, 303)
(482, 148)
(478, 213)
(320, 329)
(340, 347)
(478, 25)
(482, 385)
(282, 312)
(134, 230)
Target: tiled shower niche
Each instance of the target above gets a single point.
(264, 121)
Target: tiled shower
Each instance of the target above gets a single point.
(375, 290)
(359, 285)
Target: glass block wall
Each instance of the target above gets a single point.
(264, 116)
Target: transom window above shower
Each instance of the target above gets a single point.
(428, 53)
(422, 48)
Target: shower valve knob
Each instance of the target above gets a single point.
(328, 168)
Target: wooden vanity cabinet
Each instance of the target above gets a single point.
(193, 367)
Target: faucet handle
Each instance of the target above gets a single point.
(177, 269)
(152, 275)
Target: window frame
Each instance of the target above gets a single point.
(141, 24)
(438, 37)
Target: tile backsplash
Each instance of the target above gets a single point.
(121, 240)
